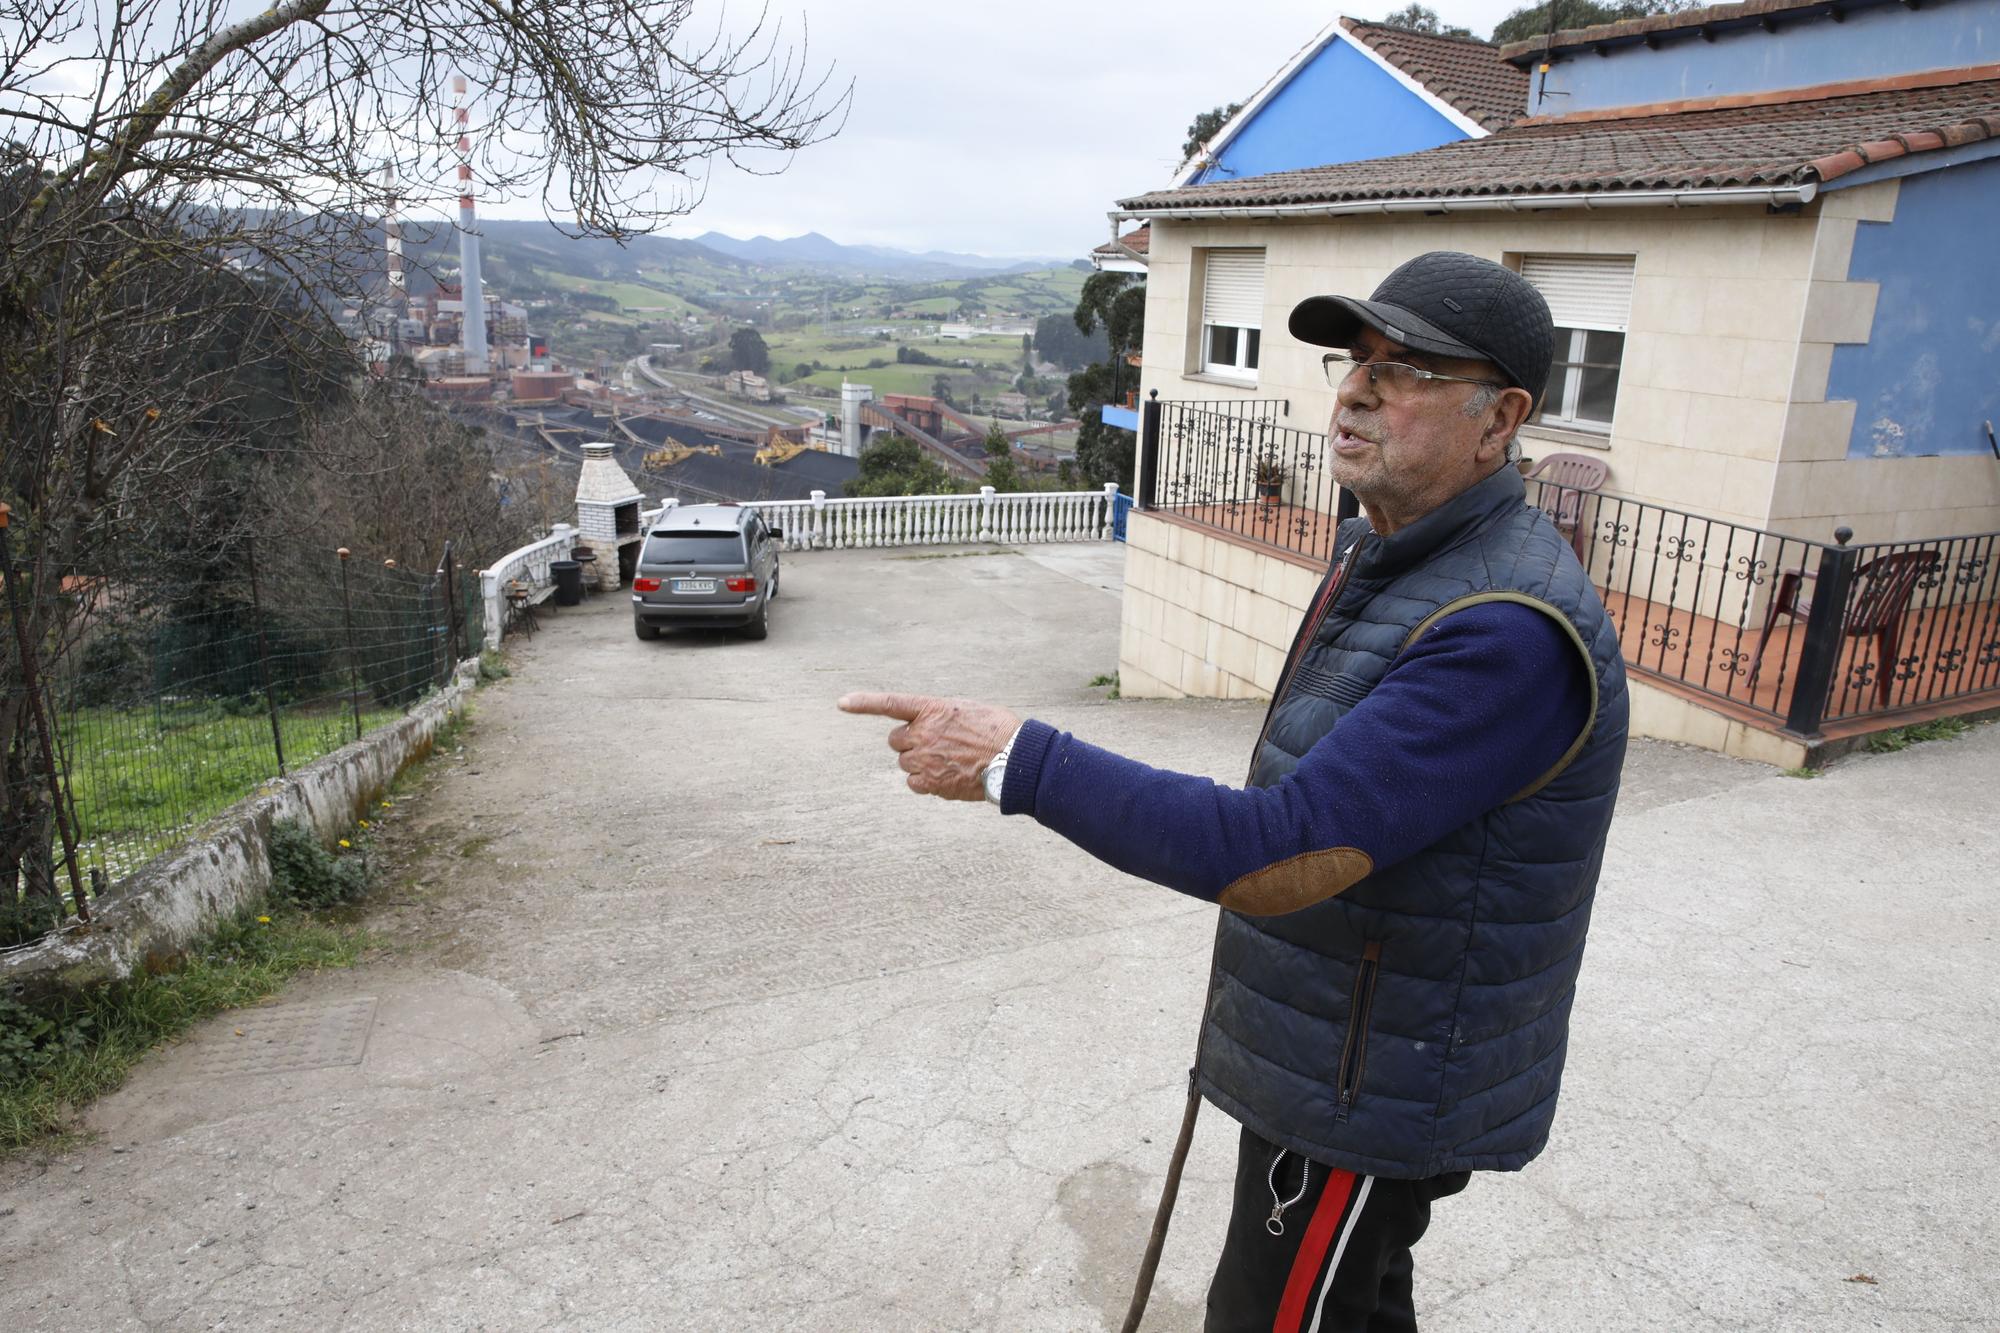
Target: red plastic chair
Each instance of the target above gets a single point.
(1876, 605)
(1575, 474)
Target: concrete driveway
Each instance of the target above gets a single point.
(702, 1022)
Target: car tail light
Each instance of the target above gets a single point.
(645, 585)
(742, 585)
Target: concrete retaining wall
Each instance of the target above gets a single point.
(149, 919)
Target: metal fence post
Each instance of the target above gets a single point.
(264, 656)
(450, 616)
(1149, 452)
(1824, 625)
(353, 661)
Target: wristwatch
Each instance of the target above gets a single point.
(995, 775)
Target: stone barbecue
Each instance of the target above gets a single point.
(607, 517)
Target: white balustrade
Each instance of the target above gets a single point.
(821, 524)
(528, 565)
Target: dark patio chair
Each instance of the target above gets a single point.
(1876, 605)
(1570, 476)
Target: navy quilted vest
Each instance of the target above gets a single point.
(1416, 1023)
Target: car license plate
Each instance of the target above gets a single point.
(694, 585)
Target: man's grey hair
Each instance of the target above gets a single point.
(1483, 397)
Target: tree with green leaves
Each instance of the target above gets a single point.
(1003, 473)
(892, 465)
(1115, 303)
(1061, 342)
(1555, 15)
(1205, 127)
(1422, 18)
(748, 352)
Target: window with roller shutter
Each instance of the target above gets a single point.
(1590, 298)
(1232, 312)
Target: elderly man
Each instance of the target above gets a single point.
(1406, 877)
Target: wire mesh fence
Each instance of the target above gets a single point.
(171, 705)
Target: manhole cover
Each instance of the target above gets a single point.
(288, 1037)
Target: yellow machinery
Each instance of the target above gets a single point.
(675, 453)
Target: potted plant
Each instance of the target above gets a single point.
(1270, 475)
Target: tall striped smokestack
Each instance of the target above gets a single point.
(472, 328)
(392, 233)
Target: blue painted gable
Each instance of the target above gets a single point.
(1340, 106)
(1929, 375)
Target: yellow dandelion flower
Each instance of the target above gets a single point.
(263, 920)
(363, 823)
(345, 843)
(387, 804)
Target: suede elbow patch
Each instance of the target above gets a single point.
(1287, 886)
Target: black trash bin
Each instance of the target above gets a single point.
(569, 582)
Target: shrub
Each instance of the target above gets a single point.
(307, 874)
(30, 1042)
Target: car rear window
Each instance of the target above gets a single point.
(694, 548)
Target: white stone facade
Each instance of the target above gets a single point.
(1721, 410)
(1722, 405)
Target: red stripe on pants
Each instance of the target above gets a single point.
(1312, 1251)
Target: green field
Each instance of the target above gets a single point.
(910, 379)
(141, 779)
(629, 295)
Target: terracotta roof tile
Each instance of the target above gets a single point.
(1463, 71)
(1132, 242)
(1787, 143)
(1745, 13)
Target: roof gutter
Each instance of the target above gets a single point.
(1783, 196)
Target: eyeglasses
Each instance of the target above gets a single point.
(1390, 379)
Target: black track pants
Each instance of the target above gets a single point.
(1340, 1259)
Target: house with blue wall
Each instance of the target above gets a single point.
(1357, 90)
(1765, 231)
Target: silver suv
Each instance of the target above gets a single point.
(713, 565)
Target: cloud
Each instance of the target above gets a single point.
(1011, 130)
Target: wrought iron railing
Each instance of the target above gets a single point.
(1800, 631)
(1943, 643)
(1234, 467)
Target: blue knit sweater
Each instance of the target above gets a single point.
(1480, 707)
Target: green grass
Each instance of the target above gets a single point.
(43, 1083)
(142, 779)
(1902, 738)
(629, 295)
(909, 379)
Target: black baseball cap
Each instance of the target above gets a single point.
(1447, 304)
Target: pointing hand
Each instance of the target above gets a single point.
(943, 744)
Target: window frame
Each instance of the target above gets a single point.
(1247, 336)
(1580, 306)
(1249, 346)
(1566, 371)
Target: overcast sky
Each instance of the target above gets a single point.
(1011, 129)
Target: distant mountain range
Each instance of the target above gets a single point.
(813, 248)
